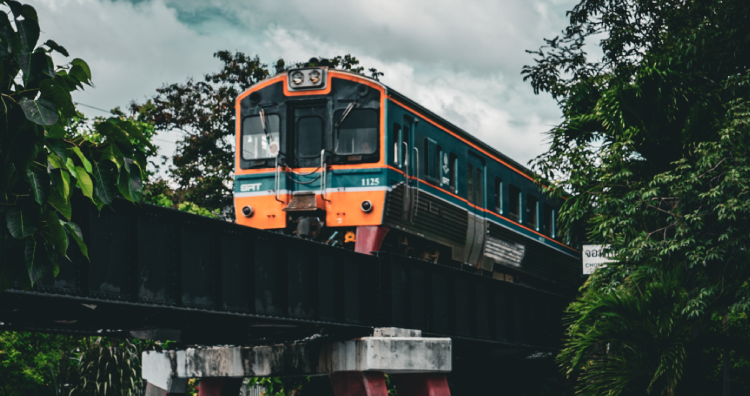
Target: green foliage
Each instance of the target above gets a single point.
(190, 207)
(204, 111)
(280, 386)
(54, 364)
(653, 152)
(44, 156)
(31, 363)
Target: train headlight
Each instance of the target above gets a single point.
(315, 77)
(306, 78)
(298, 78)
(248, 211)
(366, 206)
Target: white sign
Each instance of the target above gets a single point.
(594, 257)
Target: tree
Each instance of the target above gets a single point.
(204, 112)
(43, 157)
(653, 149)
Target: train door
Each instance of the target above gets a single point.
(476, 193)
(309, 123)
(411, 169)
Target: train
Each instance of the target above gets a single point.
(341, 158)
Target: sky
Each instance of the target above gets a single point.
(460, 59)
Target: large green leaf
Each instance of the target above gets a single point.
(55, 162)
(6, 29)
(54, 232)
(15, 7)
(22, 222)
(134, 132)
(81, 71)
(113, 133)
(28, 29)
(56, 47)
(105, 181)
(86, 163)
(61, 182)
(129, 182)
(59, 197)
(6, 173)
(34, 65)
(84, 181)
(36, 259)
(40, 111)
(25, 148)
(40, 183)
(58, 147)
(59, 94)
(61, 204)
(55, 132)
(28, 12)
(108, 154)
(75, 232)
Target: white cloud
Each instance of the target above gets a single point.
(462, 60)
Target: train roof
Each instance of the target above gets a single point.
(445, 123)
(390, 92)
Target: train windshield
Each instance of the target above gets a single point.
(358, 134)
(255, 143)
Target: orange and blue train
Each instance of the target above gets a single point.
(341, 158)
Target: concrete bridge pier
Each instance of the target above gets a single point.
(356, 367)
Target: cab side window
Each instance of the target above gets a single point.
(397, 149)
(498, 195)
(549, 221)
(532, 211)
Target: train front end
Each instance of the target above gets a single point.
(310, 157)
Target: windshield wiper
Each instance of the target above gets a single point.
(346, 113)
(263, 124)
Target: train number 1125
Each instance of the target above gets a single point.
(371, 181)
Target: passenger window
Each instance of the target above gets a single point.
(470, 182)
(358, 133)
(549, 221)
(498, 195)
(426, 155)
(430, 160)
(532, 212)
(396, 144)
(405, 145)
(514, 203)
(480, 192)
(452, 172)
(255, 144)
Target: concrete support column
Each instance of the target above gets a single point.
(422, 384)
(219, 386)
(355, 367)
(358, 383)
(162, 380)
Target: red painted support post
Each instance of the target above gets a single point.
(219, 387)
(421, 384)
(369, 238)
(358, 383)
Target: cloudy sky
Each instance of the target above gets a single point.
(460, 59)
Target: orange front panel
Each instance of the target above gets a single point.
(343, 210)
(268, 211)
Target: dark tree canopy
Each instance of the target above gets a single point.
(654, 151)
(203, 165)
